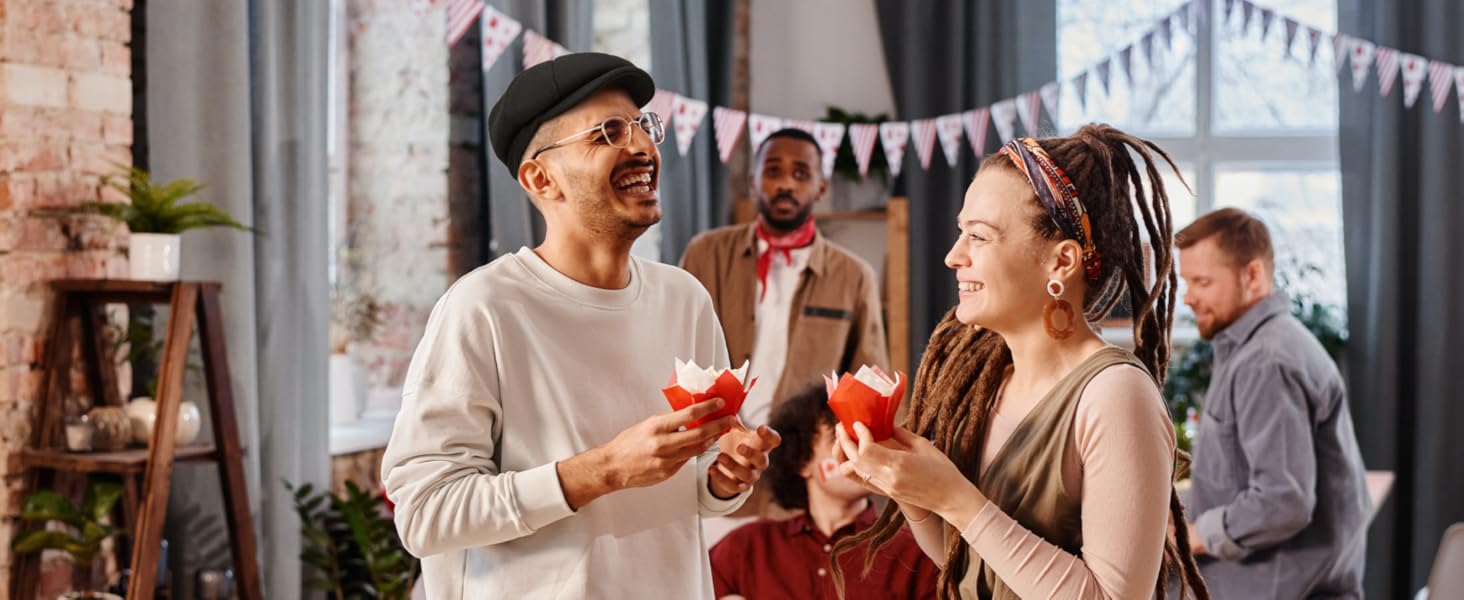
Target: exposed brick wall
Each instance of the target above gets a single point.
(65, 116)
(398, 214)
(361, 468)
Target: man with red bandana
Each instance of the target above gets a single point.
(794, 304)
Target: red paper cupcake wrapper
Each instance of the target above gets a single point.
(725, 387)
(854, 402)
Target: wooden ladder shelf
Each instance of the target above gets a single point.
(143, 513)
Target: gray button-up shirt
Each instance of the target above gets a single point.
(1278, 493)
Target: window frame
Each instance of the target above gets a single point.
(1206, 148)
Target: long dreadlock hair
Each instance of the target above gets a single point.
(961, 371)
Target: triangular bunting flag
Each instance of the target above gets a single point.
(1415, 70)
(1267, 16)
(727, 125)
(1459, 87)
(1029, 110)
(863, 136)
(1314, 37)
(661, 104)
(687, 116)
(461, 14)
(894, 136)
(1051, 93)
(830, 137)
(538, 48)
(1080, 85)
(1440, 76)
(1004, 115)
(1126, 60)
(1387, 69)
(759, 127)
(1103, 72)
(977, 121)
(1360, 52)
(1246, 11)
(499, 30)
(948, 127)
(924, 132)
(1341, 49)
(806, 126)
(1292, 26)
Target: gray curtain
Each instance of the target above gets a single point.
(200, 100)
(945, 57)
(511, 219)
(691, 54)
(1401, 223)
(291, 303)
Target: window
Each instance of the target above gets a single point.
(1252, 123)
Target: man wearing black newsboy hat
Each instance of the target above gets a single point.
(535, 456)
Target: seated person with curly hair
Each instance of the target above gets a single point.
(770, 559)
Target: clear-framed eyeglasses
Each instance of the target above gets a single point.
(617, 132)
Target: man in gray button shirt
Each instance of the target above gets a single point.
(1277, 499)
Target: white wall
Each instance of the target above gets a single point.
(810, 54)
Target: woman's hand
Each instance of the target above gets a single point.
(910, 470)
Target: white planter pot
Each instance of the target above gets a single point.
(155, 256)
(143, 412)
(347, 389)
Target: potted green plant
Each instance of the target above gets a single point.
(850, 191)
(155, 218)
(352, 545)
(78, 532)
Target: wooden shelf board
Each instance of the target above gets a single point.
(132, 460)
(122, 290)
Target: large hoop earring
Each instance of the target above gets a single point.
(1058, 305)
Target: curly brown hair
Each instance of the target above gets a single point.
(961, 371)
(797, 419)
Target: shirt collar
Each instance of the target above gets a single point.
(1241, 330)
(815, 250)
(801, 524)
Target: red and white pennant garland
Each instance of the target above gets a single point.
(687, 116)
(499, 30)
(1367, 57)
(924, 132)
(684, 115)
(830, 136)
(727, 123)
(893, 136)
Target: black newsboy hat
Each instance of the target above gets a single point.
(551, 88)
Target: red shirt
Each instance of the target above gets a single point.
(770, 560)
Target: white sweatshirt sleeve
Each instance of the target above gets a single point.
(440, 465)
(711, 349)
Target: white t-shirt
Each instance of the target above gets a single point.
(521, 366)
(770, 344)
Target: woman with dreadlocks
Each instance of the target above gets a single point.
(1038, 460)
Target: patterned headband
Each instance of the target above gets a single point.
(1058, 195)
